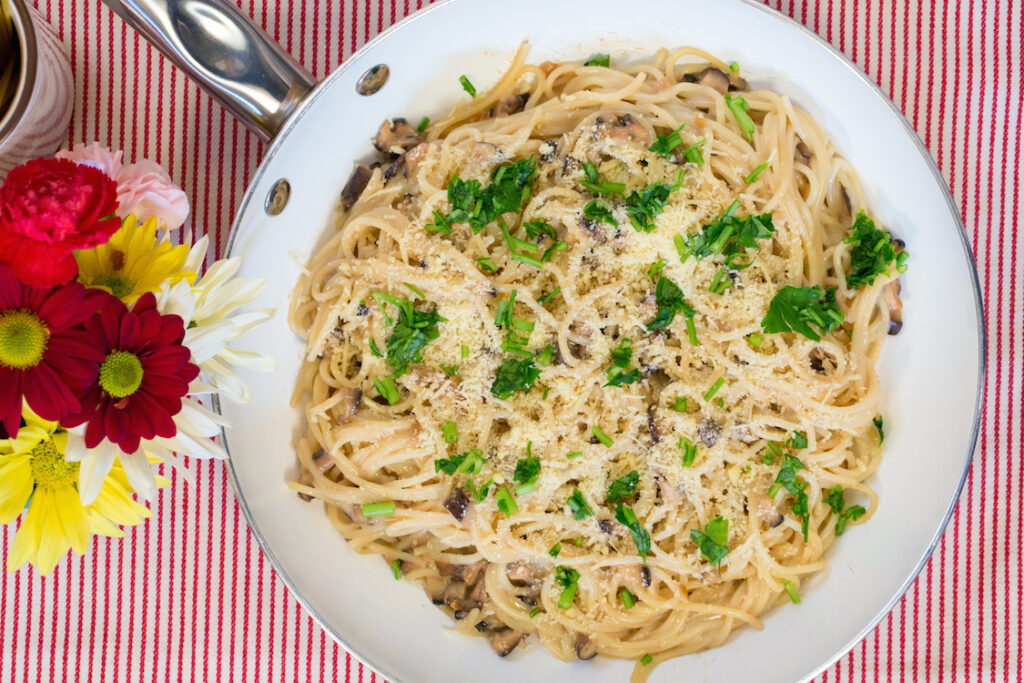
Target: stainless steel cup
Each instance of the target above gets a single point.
(36, 122)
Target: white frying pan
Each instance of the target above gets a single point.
(932, 371)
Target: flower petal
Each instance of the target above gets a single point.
(16, 485)
(94, 469)
(140, 474)
(73, 519)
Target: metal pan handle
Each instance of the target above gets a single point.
(219, 48)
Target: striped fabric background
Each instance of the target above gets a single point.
(189, 596)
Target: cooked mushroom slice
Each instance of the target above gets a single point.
(479, 594)
(455, 595)
(356, 184)
(522, 573)
(513, 104)
(396, 137)
(585, 647)
(548, 150)
(605, 525)
(394, 168)
(505, 641)
(456, 503)
(708, 430)
(892, 299)
(472, 572)
(634, 575)
(348, 406)
(322, 461)
(654, 426)
(766, 510)
(717, 79)
(435, 587)
(623, 128)
(803, 152)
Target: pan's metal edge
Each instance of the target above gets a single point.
(922, 150)
(979, 306)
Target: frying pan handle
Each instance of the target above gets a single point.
(220, 48)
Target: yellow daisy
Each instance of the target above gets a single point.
(33, 470)
(133, 262)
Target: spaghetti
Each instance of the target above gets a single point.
(588, 358)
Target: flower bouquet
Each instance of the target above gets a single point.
(108, 340)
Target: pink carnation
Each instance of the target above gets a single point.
(144, 188)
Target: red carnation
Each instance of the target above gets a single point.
(49, 208)
(44, 356)
(142, 379)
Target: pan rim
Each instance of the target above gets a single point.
(278, 142)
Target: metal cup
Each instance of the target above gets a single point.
(36, 121)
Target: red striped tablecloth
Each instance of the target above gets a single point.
(188, 594)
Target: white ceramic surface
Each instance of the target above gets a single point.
(931, 371)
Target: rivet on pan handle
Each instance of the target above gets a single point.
(219, 48)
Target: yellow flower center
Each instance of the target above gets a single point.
(121, 374)
(23, 339)
(118, 284)
(49, 468)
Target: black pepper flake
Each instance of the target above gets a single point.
(363, 310)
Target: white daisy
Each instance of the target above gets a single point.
(212, 321)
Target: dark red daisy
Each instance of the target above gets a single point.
(144, 373)
(45, 355)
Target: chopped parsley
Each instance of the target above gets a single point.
(689, 450)
(596, 211)
(514, 375)
(798, 489)
(621, 356)
(693, 153)
(644, 206)
(506, 503)
(386, 388)
(568, 578)
(837, 501)
(374, 349)
(739, 106)
(791, 591)
(877, 421)
(481, 494)
(385, 509)
(714, 540)
(555, 549)
(486, 264)
(450, 433)
(714, 388)
(544, 357)
(535, 229)
(573, 455)
(666, 143)
(729, 236)
(671, 301)
(680, 404)
(622, 488)
(396, 570)
(527, 472)
(549, 297)
(757, 171)
(424, 122)
(596, 185)
(797, 441)
(478, 206)
(734, 67)
(641, 538)
(601, 436)
(415, 290)
(755, 340)
(467, 86)
(465, 351)
(534, 612)
(470, 462)
(872, 252)
(600, 59)
(646, 659)
(578, 504)
(795, 309)
(450, 370)
(412, 331)
(655, 268)
(628, 599)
